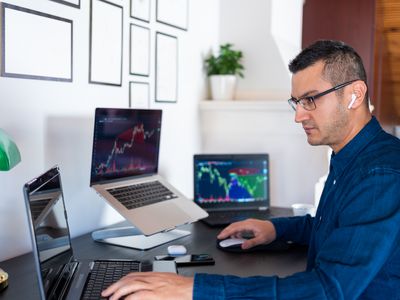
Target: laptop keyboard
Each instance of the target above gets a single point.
(104, 273)
(227, 217)
(142, 194)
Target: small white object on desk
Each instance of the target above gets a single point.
(176, 250)
(302, 209)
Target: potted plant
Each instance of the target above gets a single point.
(223, 70)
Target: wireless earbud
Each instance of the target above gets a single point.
(353, 99)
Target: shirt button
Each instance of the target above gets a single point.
(334, 182)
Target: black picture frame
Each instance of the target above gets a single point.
(174, 13)
(99, 71)
(166, 65)
(26, 65)
(66, 2)
(141, 10)
(139, 50)
(141, 89)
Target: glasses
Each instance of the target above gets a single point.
(308, 103)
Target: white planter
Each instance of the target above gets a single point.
(223, 87)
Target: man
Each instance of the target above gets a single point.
(354, 239)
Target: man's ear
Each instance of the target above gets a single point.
(359, 90)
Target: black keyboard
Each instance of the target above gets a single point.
(142, 194)
(104, 273)
(223, 218)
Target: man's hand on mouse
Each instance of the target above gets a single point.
(263, 232)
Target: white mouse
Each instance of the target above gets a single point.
(231, 242)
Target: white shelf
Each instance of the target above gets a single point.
(245, 105)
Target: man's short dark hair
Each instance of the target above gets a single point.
(342, 62)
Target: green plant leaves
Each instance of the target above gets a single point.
(228, 62)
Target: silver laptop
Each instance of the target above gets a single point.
(60, 275)
(124, 170)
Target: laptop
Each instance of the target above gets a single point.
(124, 171)
(60, 275)
(232, 187)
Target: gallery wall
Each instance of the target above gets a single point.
(51, 121)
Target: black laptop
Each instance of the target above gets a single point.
(232, 187)
(60, 276)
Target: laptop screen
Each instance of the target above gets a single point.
(125, 143)
(49, 227)
(231, 180)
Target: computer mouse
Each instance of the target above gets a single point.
(231, 243)
(235, 245)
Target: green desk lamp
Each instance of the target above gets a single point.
(9, 157)
(9, 153)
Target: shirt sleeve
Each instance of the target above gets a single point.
(295, 229)
(346, 263)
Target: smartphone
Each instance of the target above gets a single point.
(188, 260)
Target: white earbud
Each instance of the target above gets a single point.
(353, 99)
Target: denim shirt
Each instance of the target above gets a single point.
(354, 239)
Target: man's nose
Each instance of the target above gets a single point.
(301, 114)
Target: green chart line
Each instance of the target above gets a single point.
(252, 183)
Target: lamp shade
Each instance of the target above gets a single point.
(9, 153)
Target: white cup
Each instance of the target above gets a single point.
(302, 209)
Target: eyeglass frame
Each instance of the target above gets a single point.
(293, 102)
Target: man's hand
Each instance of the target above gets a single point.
(151, 285)
(263, 232)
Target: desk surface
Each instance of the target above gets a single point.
(23, 283)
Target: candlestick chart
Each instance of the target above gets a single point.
(127, 152)
(225, 182)
(125, 148)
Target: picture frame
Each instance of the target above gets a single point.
(173, 13)
(166, 77)
(73, 3)
(47, 51)
(106, 43)
(139, 50)
(139, 94)
(140, 9)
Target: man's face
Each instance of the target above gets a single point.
(328, 124)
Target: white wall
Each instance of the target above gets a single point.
(52, 122)
(269, 34)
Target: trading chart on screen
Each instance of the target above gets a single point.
(231, 181)
(126, 144)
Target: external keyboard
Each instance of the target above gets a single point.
(223, 218)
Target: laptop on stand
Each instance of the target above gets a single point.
(60, 275)
(124, 171)
(232, 187)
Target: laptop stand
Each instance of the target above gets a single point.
(132, 237)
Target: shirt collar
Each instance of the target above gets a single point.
(340, 161)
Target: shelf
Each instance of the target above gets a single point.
(245, 105)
